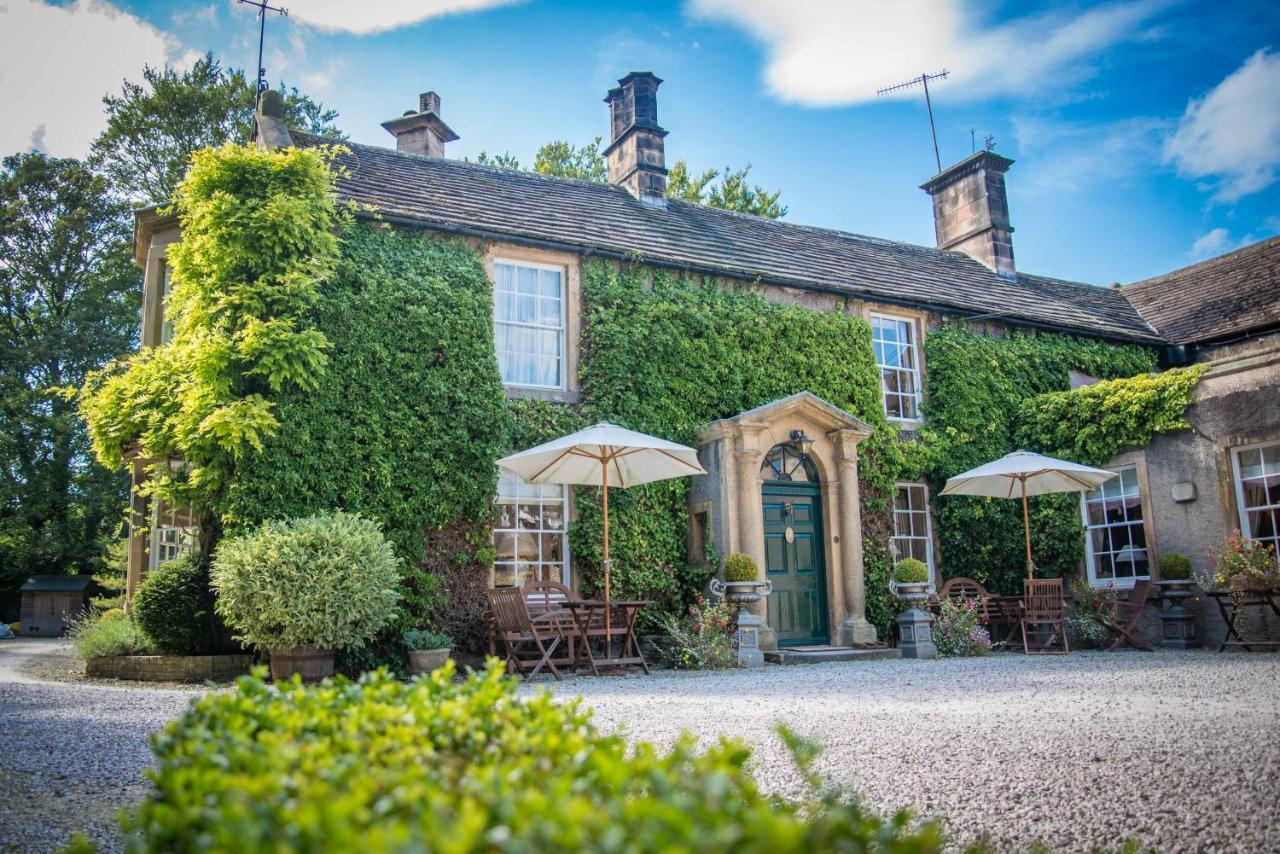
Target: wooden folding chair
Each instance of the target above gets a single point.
(1043, 611)
(522, 634)
(1121, 618)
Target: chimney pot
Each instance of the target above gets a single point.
(637, 154)
(971, 211)
(422, 132)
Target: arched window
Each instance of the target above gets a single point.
(785, 463)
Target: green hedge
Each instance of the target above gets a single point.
(175, 608)
(437, 765)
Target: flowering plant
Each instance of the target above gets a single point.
(1244, 564)
(957, 629)
(703, 639)
(1089, 605)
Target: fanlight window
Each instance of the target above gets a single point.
(786, 463)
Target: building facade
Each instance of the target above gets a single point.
(782, 482)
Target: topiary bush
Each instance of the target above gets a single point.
(435, 765)
(175, 608)
(329, 580)
(740, 567)
(1174, 567)
(910, 571)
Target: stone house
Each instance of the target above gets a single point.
(782, 482)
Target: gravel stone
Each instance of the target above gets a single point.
(1177, 751)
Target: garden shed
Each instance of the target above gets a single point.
(50, 602)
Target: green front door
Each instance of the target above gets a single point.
(794, 558)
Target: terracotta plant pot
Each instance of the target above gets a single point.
(426, 660)
(310, 662)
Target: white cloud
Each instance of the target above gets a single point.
(378, 16)
(1212, 242)
(56, 63)
(1230, 138)
(836, 52)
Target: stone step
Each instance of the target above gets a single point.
(823, 654)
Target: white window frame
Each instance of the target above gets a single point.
(566, 573)
(562, 382)
(185, 538)
(1237, 475)
(928, 526)
(1091, 567)
(914, 370)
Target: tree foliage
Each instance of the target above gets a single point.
(259, 235)
(584, 162)
(153, 127)
(68, 304)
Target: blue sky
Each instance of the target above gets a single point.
(1146, 132)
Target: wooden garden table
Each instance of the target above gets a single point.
(1005, 611)
(589, 620)
(1232, 603)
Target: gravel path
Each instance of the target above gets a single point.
(71, 753)
(1178, 750)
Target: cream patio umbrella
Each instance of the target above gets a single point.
(1023, 473)
(604, 455)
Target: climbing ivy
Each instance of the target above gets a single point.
(1093, 423)
(667, 354)
(975, 389)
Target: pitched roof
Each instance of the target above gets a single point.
(1220, 298)
(56, 583)
(468, 198)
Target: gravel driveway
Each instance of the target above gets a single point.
(1178, 750)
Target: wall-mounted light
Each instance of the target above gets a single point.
(802, 443)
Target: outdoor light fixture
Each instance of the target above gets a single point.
(802, 443)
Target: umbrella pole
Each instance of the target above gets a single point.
(1026, 527)
(608, 636)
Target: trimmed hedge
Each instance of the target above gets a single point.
(175, 608)
(433, 765)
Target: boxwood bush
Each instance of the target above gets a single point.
(329, 580)
(437, 765)
(175, 608)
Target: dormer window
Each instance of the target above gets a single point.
(529, 323)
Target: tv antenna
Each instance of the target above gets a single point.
(922, 80)
(263, 9)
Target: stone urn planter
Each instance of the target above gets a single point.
(913, 592)
(312, 663)
(743, 593)
(426, 660)
(915, 627)
(1178, 623)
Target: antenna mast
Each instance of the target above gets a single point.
(922, 80)
(263, 9)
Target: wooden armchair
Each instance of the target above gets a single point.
(1043, 615)
(524, 635)
(960, 589)
(1121, 617)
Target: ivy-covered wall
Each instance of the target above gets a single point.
(976, 388)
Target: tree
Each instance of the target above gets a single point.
(726, 189)
(68, 304)
(154, 126)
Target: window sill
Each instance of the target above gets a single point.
(553, 395)
(1117, 583)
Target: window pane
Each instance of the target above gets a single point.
(1251, 463)
(529, 532)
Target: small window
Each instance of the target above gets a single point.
(528, 324)
(784, 462)
(912, 529)
(173, 533)
(893, 340)
(700, 537)
(162, 308)
(1258, 492)
(529, 532)
(1115, 536)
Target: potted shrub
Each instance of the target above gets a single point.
(427, 650)
(742, 584)
(911, 580)
(304, 588)
(1175, 576)
(1178, 625)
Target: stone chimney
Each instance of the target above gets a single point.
(423, 131)
(636, 153)
(971, 211)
